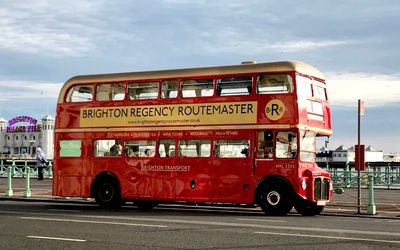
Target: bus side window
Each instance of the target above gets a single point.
(106, 148)
(166, 148)
(196, 88)
(194, 148)
(142, 90)
(236, 148)
(80, 93)
(286, 144)
(274, 84)
(234, 86)
(110, 92)
(169, 89)
(140, 148)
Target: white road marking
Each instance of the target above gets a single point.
(53, 238)
(93, 222)
(64, 210)
(262, 220)
(330, 237)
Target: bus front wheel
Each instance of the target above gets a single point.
(108, 193)
(275, 200)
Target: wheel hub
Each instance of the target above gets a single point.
(273, 198)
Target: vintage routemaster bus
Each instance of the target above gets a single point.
(242, 134)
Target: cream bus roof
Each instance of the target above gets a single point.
(178, 73)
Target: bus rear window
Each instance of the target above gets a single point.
(80, 93)
(274, 84)
(196, 88)
(110, 92)
(234, 86)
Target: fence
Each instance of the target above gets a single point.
(343, 174)
(18, 168)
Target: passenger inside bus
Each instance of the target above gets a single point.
(148, 152)
(116, 149)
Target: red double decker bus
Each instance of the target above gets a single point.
(243, 134)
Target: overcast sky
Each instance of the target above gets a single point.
(356, 44)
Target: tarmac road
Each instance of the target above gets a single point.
(387, 201)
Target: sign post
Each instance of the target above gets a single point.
(359, 155)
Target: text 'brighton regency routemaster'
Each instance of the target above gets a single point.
(242, 134)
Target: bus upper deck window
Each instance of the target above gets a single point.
(319, 90)
(274, 84)
(80, 93)
(196, 88)
(142, 90)
(304, 86)
(110, 92)
(234, 85)
(169, 89)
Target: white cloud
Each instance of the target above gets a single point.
(27, 90)
(374, 89)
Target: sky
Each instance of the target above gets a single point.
(355, 43)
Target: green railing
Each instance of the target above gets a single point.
(18, 169)
(386, 174)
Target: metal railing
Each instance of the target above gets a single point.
(343, 174)
(18, 169)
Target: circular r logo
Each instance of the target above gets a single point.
(275, 109)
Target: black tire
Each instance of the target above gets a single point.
(108, 193)
(307, 208)
(275, 199)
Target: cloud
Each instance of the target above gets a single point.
(21, 91)
(374, 89)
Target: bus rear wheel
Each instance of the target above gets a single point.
(308, 208)
(108, 193)
(275, 200)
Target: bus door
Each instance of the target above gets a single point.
(276, 153)
(264, 153)
(232, 167)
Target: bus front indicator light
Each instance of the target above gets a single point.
(304, 184)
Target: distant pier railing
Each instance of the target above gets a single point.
(18, 168)
(343, 174)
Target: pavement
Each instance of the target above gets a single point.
(387, 201)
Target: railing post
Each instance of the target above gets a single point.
(13, 167)
(9, 191)
(347, 175)
(27, 192)
(25, 166)
(389, 175)
(371, 202)
(50, 172)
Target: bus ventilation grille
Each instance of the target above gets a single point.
(321, 188)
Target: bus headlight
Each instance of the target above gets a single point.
(304, 184)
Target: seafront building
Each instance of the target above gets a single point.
(343, 154)
(20, 136)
